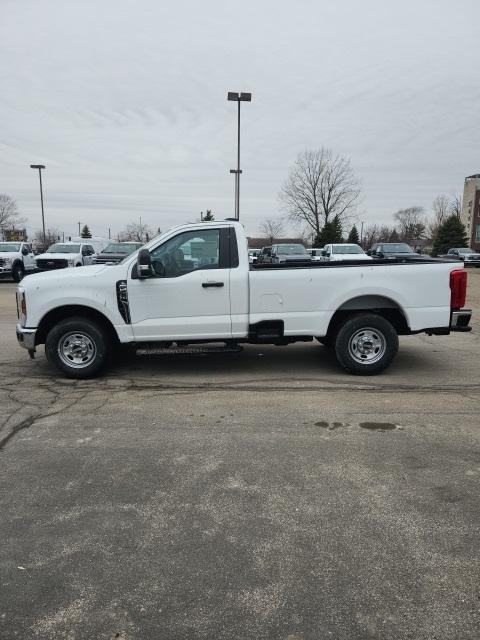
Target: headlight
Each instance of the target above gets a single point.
(71, 262)
(22, 307)
(8, 262)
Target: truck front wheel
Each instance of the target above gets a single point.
(366, 344)
(18, 272)
(78, 347)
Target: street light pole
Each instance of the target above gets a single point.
(40, 167)
(238, 97)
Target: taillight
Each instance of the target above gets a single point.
(458, 287)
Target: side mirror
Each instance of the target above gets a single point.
(369, 252)
(25, 251)
(324, 253)
(159, 268)
(144, 264)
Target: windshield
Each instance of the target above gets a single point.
(9, 247)
(397, 248)
(290, 249)
(347, 248)
(64, 248)
(122, 247)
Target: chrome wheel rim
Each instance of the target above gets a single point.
(77, 350)
(367, 345)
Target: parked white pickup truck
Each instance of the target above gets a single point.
(194, 285)
(16, 259)
(65, 254)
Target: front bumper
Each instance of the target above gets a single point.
(26, 337)
(459, 320)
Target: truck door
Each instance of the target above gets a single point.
(87, 254)
(190, 299)
(28, 258)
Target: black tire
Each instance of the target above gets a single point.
(18, 272)
(366, 344)
(78, 347)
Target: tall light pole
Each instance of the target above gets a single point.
(40, 167)
(238, 98)
(361, 234)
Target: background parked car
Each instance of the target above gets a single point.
(16, 260)
(65, 254)
(115, 252)
(315, 253)
(391, 250)
(282, 253)
(470, 257)
(336, 252)
(253, 255)
(265, 252)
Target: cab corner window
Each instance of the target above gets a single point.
(188, 252)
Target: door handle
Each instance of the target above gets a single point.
(205, 285)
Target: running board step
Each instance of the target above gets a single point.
(154, 350)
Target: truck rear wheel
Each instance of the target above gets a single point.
(18, 272)
(78, 347)
(366, 344)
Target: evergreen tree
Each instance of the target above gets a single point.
(338, 231)
(353, 237)
(450, 233)
(208, 217)
(393, 237)
(86, 233)
(330, 234)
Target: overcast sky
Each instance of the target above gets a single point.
(125, 102)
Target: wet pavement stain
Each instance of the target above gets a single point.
(331, 426)
(378, 426)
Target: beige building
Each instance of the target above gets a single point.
(471, 210)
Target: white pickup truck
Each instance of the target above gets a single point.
(16, 259)
(194, 285)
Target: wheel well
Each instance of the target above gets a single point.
(60, 313)
(380, 305)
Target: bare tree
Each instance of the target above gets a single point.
(271, 228)
(370, 235)
(378, 233)
(455, 207)
(51, 236)
(410, 224)
(136, 232)
(319, 187)
(441, 208)
(9, 214)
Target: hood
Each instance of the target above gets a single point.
(64, 275)
(294, 256)
(57, 256)
(112, 256)
(350, 256)
(9, 254)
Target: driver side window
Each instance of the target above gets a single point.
(189, 252)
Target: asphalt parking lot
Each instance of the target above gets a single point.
(265, 494)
